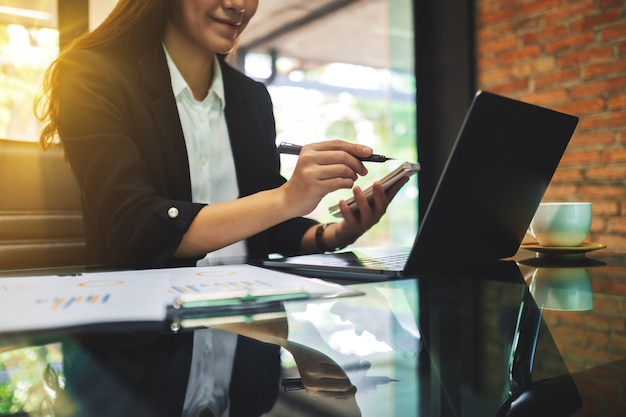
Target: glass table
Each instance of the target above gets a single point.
(523, 336)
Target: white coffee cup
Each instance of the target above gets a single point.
(563, 224)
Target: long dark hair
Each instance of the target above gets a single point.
(132, 25)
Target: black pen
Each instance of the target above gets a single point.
(291, 149)
(295, 384)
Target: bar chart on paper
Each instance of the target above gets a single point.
(67, 302)
(199, 288)
(63, 301)
(107, 297)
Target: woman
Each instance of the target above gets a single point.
(174, 150)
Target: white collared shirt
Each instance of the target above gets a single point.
(213, 180)
(210, 373)
(211, 162)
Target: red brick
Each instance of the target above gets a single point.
(604, 120)
(621, 48)
(504, 29)
(528, 23)
(540, 36)
(563, 175)
(607, 3)
(577, 158)
(569, 11)
(598, 225)
(614, 32)
(496, 16)
(584, 62)
(600, 191)
(615, 155)
(546, 97)
(492, 77)
(532, 68)
(573, 41)
(484, 33)
(484, 64)
(618, 102)
(497, 45)
(582, 107)
(592, 138)
(599, 87)
(561, 192)
(557, 77)
(586, 55)
(517, 86)
(591, 22)
(614, 67)
(605, 208)
(504, 4)
(519, 54)
(605, 172)
(485, 7)
(539, 6)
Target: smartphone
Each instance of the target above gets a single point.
(406, 169)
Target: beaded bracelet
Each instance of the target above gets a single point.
(319, 238)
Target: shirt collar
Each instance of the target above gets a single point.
(179, 85)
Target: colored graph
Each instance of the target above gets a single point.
(58, 303)
(217, 286)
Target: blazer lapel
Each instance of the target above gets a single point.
(154, 76)
(246, 132)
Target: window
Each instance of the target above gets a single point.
(332, 76)
(29, 41)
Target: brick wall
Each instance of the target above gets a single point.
(569, 55)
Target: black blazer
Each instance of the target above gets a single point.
(120, 128)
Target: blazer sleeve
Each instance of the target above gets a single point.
(136, 194)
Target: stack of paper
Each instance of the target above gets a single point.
(32, 303)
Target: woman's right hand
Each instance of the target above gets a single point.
(322, 168)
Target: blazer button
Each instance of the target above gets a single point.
(172, 212)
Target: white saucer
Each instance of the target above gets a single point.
(562, 251)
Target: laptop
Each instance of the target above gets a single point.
(497, 172)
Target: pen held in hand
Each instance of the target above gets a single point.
(291, 149)
(368, 382)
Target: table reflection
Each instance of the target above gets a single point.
(148, 374)
(487, 341)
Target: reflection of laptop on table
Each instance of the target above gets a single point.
(496, 175)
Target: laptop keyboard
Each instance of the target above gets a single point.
(395, 262)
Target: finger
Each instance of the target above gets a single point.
(380, 200)
(326, 172)
(330, 384)
(363, 204)
(339, 395)
(356, 150)
(343, 153)
(350, 216)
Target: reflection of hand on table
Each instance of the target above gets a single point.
(320, 375)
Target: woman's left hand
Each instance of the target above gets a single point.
(357, 222)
